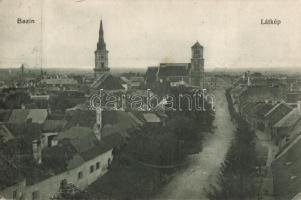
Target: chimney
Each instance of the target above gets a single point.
(249, 81)
(299, 106)
(37, 151)
(98, 125)
(49, 109)
(23, 106)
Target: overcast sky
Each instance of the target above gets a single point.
(146, 32)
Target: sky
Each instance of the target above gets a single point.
(142, 33)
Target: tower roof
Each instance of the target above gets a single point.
(197, 44)
(101, 43)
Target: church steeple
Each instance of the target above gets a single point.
(101, 55)
(101, 42)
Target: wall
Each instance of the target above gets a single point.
(50, 187)
(7, 193)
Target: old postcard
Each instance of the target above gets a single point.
(141, 99)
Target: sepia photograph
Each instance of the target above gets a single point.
(150, 100)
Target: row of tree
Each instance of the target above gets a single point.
(238, 174)
(153, 153)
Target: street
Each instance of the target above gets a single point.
(189, 183)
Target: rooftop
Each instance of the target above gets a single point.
(290, 119)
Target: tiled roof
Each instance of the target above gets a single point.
(293, 97)
(136, 79)
(18, 116)
(277, 113)
(9, 174)
(37, 116)
(197, 44)
(173, 69)
(256, 108)
(54, 125)
(62, 81)
(262, 93)
(287, 171)
(151, 117)
(81, 138)
(264, 110)
(5, 133)
(107, 82)
(290, 119)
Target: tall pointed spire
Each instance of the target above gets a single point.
(101, 55)
(101, 42)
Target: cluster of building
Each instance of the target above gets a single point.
(45, 147)
(272, 106)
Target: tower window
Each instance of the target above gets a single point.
(102, 65)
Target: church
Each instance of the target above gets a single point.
(103, 78)
(191, 74)
(101, 55)
(180, 73)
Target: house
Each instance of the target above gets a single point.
(285, 125)
(22, 116)
(286, 170)
(78, 158)
(125, 82)
(290, 135)
(107, 81)
(12, 182)
(264, 94)
(151, 119)
(54, 125)
(259, 115)
(18, 116)
(293, 97)
(37, 116)
(274, 116)
(248, 112)
(136, 81)
(59, 83)
(5, 134)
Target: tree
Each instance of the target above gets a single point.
(237, 179)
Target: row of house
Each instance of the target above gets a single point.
(274, 108)
(75, 151)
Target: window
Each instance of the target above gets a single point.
(15, 194)
(102, 65)
(91, 168)
(97, 165)
(35, 195)
(80, 175)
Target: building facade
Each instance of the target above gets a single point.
(101, 55)
(180, 73)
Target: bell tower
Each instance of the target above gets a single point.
(101, 55)
(197, 65)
